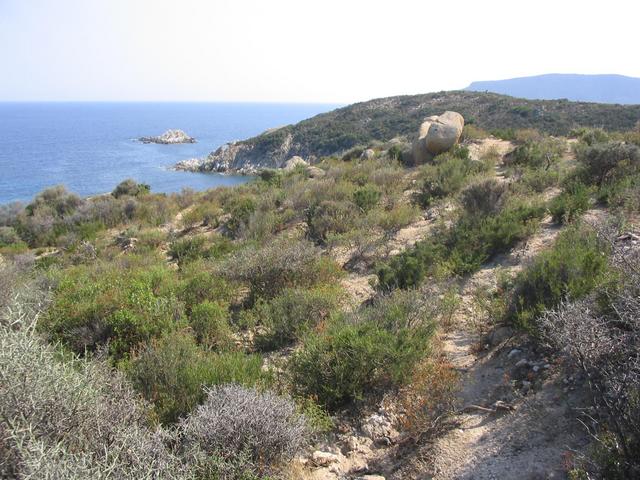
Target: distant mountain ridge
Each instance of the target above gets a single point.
(583, 88)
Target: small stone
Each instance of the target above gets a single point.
(324, 458)
(526, 386)
(371, 477)
(522, 363)
(514, 353)
(546, 366)
(536, 368)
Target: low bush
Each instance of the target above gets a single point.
(366, 197)
(369, 353)
(292, 314)
(130, 188)
(484, 197)
(187, 249)
(240, 211)
(9, 236)
(571, 203)
(331, 217)
(570, 270)
(210, 324)
(281, 264)
(537, 153)
(260, 428)
(603, 162)
(590, 136)
(171, 372)
(447, 175)
(600, 336)
(207, 214)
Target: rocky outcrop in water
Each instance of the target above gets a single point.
(169, 137)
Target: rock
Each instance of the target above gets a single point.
(189, 165)
(315, 172)
(513, 353)
(371, 477)
(169, 137)
(378, 427)
(437, 134)
(293, 162)
(324, 458)
(367, 154)
(526, 386)
(501, 334)
(536, 368)
(522, 363)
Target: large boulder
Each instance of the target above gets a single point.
(437, 134)
(293, 162)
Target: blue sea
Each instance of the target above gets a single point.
(91, 147)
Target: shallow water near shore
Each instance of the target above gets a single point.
(91, 147)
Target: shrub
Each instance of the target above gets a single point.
(571, 269)
(210, 323)
(331, 217)
(571, 203)
(240, 210)
(187, 250)
(281, 264)
(484, 197)
(590, 136)
(446, 176)
(200, 284)
(206, 214)
(93, 306)
(130, 188)
(236, 421)
(171, 372)
(9, 236)
(602, 161)
(537, 154)
(353, 357)
(72, 419)
(472, 132)
(366, 197)
(290, 315)
(600, 336)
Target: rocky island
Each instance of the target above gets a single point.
(169, 137)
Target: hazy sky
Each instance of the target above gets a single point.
(297, 50)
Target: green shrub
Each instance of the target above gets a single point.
(131, 188)
(571, 269)
(171, 373)
(200, 284)
(9, 236)
(187, 250)
(590, 136)
(484, 197)
(447, 175)
(366, 197)
(210, 324)
(571, 203)
(100, 304)
(331, 217)
(207, 214)
(537, 153)
(293, 313)
(606, 161)
(240, 211)
(354, 357)
(281, 264)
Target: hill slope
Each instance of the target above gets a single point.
(585, 88)
(385, 118)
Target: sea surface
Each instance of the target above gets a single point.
(91, 147)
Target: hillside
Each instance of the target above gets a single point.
(383, 119)
(582, 88)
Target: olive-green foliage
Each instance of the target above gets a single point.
(571, 269)
(605, 162)
(542, 153)
(187, 249)
(199, 283)
(571, 203)
(331, 217)
(484, 197)
(366, 197)
(93, 305)
(293, 313)
(170, 372)
(462, 248)
(205, 213)
(354, 357)
(281, 264)
(210, 324)
(9, 236)
(590, 136)
(240, 210)
(131, 188)
(447, 175)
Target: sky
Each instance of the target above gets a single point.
(335, 51)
